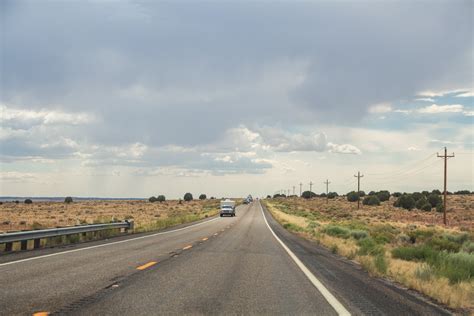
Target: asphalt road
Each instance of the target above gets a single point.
(220, 266)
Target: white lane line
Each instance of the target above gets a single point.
(340, 309)
(105, 245)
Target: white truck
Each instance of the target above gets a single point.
(227, 207)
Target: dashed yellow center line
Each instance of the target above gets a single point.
(147, 265)
(216, 234)
(187, 247)
(41, 314)
(205, 238)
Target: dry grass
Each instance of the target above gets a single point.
(52, 214)
(414, 275)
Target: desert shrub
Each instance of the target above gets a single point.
(427, 207)
(438, 243)
(359, 234)
(421, 202)
(188, 197)
(36, 226)
(425, 193)
(420, 253)
(323, 195)
(368, 246)
(268, 197)
(397, 194)
(440, 208)
(337, 231)
(161, 198)
(278, 195)
(312, 225)
(383, 234)
(372, 193)
(352, 196)
(293, 227)
(434, 199)
(460, 192)
(361, 193)
(68, 199)
(380, 263)
(437, 192)
(152, 199)
(28, 201)
(308, 195)
(419, 235)
(332, 195)
(468, 247)
(371, 200)
(417, 195)
(383, 195)
(455, 266)
(406, 202)
(202, 197)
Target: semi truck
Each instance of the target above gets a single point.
(227, 207)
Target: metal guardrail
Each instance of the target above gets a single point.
(37, 235)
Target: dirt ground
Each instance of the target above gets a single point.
(460, 211)
(38, 215)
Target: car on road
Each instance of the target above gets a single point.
(227, 208)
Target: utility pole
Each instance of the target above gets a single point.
(310, 189)
(358, 176)
(327, 190)
(301, 186)
(293, 190)
(288, 192)
(445, 157)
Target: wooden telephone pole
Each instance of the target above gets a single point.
(327, 190)
(293, 190)
(445, 157)
(310, 189)
(358, 176)
(301, 186)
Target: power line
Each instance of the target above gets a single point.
(404, 168)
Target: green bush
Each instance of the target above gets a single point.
(440, 244)
(406, 202)
(368, 246)
(455, 266)
(372, 193)
(352, 196)
(468, 247)
(161, 198)
(332, 195)
(417, 195)
(440, 208)
(188, 197)
(380, 263)
(361, 193)
(293, 227)
(308, 195)
(337, 231)
(28, 201)
(427, 207)
(383, 234)
(461, 192)
(434, 199)
(421, 202)
(202, 197)
(371, 200)
(383, 195)
(359, 234)
(420, 253)
(68, 199)
(437, 192)
(152, 199)
(397, 194)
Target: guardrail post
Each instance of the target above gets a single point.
(37, 243)
(24, 244)
(8, 246)
(131, 225)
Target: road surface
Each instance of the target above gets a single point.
(246, 264)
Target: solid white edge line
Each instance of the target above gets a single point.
(338, 307)
(104, 245)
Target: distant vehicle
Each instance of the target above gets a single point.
(248, 199)
(227, 207)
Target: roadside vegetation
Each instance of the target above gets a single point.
(394, 237)
(148, 215)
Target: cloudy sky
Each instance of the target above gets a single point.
(133, 99)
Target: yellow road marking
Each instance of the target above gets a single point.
(205, 238)
(147, 265)
(216, 234)
(187, 247)
(41, 314)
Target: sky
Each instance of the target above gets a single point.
(140, 98)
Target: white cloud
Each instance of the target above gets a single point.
(343, 149)
(435, 109)
(25, 118)
(425, 99)
(380, 108)
(413, 148)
